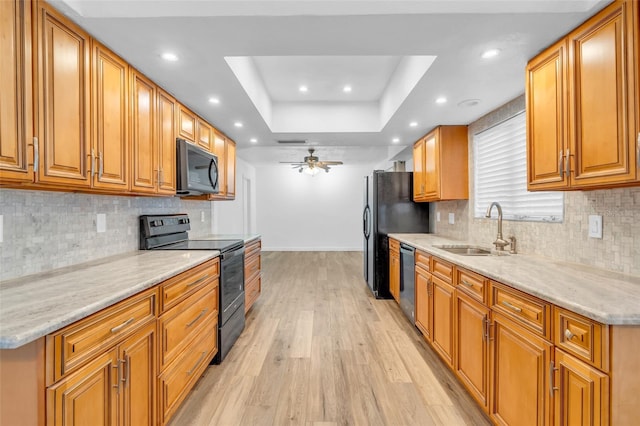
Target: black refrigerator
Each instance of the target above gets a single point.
(388, 209)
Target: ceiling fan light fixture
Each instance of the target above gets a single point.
(312, 171)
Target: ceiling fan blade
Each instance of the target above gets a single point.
(292, 162)
(332, 163)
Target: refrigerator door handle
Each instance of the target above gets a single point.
(365, 222)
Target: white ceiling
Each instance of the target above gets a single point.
(324, 45)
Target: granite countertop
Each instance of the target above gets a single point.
(36, 305)
(605, 296)
(246, 237)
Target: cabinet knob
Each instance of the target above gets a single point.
(568, 334)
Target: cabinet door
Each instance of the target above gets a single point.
(205, 140)
(602, 114)
(15, 86)
(138, 388)
(519, 375)
(423, 302)
(582, 396)
(220, 150)
(394, 276)
(432, 166)
(186, 124)
(166, 143)
(111, 135)
(230, 180)
(472, 354)
(547, 125)
(418, 170)
(88, 396)
(442, 327)
(63, 52)
(144, 167)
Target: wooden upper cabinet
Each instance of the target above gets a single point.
(418, 170)
(582, 105)
(220, 150)
(110, 151)
(167, 107)
(62, 72)
(144, 164)
(15, 85)
(230, 170)
(443, 169)
(546, 82)
(204, 132)
(186, 124)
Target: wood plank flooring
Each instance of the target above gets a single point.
(318, 349)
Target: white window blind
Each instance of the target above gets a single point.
(500, 162)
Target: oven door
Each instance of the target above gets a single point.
(231, 283)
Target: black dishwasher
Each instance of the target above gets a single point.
(407, 281)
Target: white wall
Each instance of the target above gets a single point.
(296, 211)
(232, 217)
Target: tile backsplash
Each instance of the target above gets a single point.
(46, 230)
(618, 250)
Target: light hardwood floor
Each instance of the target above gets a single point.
(318, 349)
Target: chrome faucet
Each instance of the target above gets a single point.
(500, 242)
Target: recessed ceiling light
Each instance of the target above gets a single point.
(441, 100)
(346, 89)
(214, 100)
(395, 140)
(238, 124)
(253, 140)
(490, 53)
(168, 56)
(413, 124)
(303, 89)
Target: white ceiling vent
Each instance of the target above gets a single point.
(293, 142)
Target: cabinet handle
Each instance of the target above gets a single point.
(100, 164)
(204, 311)
(551, 370)
(561, 164)
(467, 283)
(123, 325)
(117, 367)
(92, 159)
(36, 154)
(123, 377)
(196, 364)
(568, 168)
(568, 334)
(510, 306)
(485, 328)
(127, 374)
(198, 281)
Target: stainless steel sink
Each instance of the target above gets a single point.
(465, 250)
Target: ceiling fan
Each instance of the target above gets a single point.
(312, 164)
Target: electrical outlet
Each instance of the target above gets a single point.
(438, 216)
(452, 218)
(595, 226)
(201, 216)
(101, 222)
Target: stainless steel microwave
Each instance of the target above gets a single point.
(197, 170)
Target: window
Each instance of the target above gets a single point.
(500, 160)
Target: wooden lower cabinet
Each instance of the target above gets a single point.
(581, 392)
(252, 273)
(519, 375)
(442, 294)
(423, 302)
(394, 269)
(472, 346)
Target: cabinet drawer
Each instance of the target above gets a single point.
(251, 267)
(442, 269)
(177, 380)
(472, 284)
(582, 337)
(394, 245)
(179, 325)
(423, 260)
(529, 311)
(177, 288)
(252, 248)
(251, 292)
(77, 343)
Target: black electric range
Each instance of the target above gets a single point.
(170, 232)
